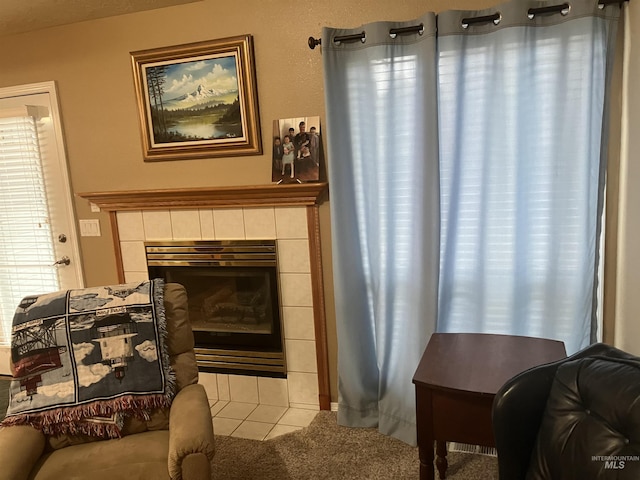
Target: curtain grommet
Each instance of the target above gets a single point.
(496, 18)
(394, 32)
(562, 9)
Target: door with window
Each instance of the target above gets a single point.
(39, 250)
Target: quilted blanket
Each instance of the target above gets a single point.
(84, 359)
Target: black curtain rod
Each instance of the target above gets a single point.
(314, 42)
(495, 18)
(532, 12)
(350, 38)
(405, 30)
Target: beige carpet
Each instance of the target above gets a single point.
(325, 450)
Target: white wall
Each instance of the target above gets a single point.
(627, 328)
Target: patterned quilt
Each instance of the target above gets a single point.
(84, 359)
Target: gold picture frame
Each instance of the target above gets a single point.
(198, 100)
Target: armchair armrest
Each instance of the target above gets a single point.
(191, 440)
(20, 448)
(518, 409)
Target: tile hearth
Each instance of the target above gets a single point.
(255, 421)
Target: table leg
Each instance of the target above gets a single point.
(425, 451)
(441, 458)
(424, 421)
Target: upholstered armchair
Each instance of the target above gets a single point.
(175, 443)
(575, 419)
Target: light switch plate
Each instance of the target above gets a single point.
(90, 228)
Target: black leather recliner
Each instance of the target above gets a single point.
(574, 419)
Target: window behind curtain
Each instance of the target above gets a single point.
(26, 251)
(521, 114)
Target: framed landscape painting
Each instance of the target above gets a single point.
(198, 100)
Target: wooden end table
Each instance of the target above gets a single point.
(456, 382)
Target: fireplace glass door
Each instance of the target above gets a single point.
(233, 301)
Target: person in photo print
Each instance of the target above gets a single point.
(302, 143)
(288, 156)
(278, 152)
(314, 146)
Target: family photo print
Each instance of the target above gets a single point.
(297, 150)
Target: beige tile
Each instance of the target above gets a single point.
(228, 224)
(273, 391)
(131, 277)
(210, 383)
(225, 426)
(296, 290)
(185, 224)
(301, 356)
(253, 430)
(298, 417)
(130, 226)
(298, 323)
(291, 222)
(259, 223)
(223, 387)
(206, 224)
(293, 256)
(306, 406)
(303, 388)
(133, 256)
(157, 225)
(281, 430)
(267, 414)
(217, 406)
(237, 410)
(243, 388)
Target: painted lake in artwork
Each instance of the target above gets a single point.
(196, 129)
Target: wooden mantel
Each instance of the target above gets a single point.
(304, 194)
(309, 195)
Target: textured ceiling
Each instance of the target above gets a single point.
(19, 16)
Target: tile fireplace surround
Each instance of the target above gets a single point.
(286, 213)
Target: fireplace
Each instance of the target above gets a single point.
(234, 306)
(287, 213)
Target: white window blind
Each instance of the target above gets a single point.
(26, 250)
(521, 115)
